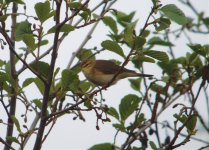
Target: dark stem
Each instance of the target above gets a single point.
(13, 99)
(38, 142)
(194, 99)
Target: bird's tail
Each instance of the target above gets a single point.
(144, 75)
(131, 73)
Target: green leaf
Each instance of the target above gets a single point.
(181, 118)
(128, 105)
(4, 77)
(2, 63)
(85, 54)
(155, 2)
(43, 11)
(145, 59)
(153, 146)
(69, 80)
(191, 124)
(16, 122)
(116, 37)
(15, 1)
(206, 21)
(192, 57)
(198, 49)
(103, 146)
(128, 35)
(113, 112)
(119, 126)
(139, 42)
(38, 103)
(3, 17)
(56, 71)
(77, 5)
(27, 82)
(158, 88)
(22, 29)
(124, 19)
(40, 85)
(65, 28)
(137, 123)
(86, 15)
(110, 22)
(43, 42)
(85, 86)
(41, 67)
(163, 23)
(159, 55)
(171, 68)
(175, 14)
(29, 40)
(140, 120)
(135, 83)
(145, 33)
(137, 148)
(12, 139)
(113, 46)
(159, 41)
(7, 76)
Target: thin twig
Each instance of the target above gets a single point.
(2, 101)
(6, 144)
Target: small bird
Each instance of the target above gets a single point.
(101, 72)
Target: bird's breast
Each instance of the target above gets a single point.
(97, 77)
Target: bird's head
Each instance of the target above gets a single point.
(87, 65)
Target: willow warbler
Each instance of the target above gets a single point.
(101, 72)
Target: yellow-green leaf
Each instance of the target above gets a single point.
(103, 146)
(16, 122)
(128, 105)
(113, 46)
(113, 112)
(65, 28)
(110, 22)
(159, 55)
(174, 13)
(69, 80)
(29, 40)
(43, 11)
(22, 28)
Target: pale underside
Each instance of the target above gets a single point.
(101, 79)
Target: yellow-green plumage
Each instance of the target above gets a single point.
(101, 72)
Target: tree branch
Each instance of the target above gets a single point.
(38, 142)
(12, 110)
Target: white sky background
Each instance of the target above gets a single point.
(77, 135)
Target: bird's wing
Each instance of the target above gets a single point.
(107, 67)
